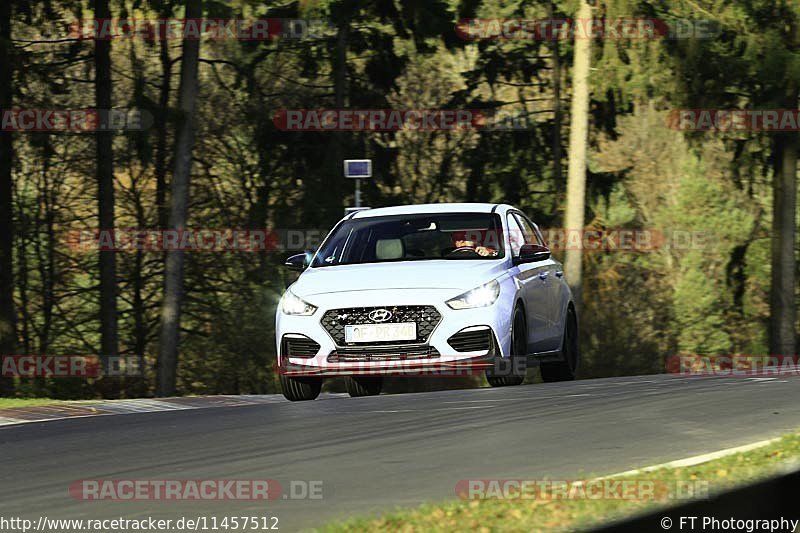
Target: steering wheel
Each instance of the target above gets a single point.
(464, 251)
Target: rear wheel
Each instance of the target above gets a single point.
(564, 370)
(517, 359)
(300, 389)
(363, 386)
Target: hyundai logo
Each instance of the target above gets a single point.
(380, 315)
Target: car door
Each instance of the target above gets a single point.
(547, 286)
(533, 294)
(558, 292)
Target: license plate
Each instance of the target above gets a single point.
(401, 331)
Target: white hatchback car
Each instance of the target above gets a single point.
(437, 289)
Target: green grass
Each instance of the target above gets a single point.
(489, 515)
(26, 402)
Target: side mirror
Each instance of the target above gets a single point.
(298, 262)
(530, 253)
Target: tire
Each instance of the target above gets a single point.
(566, 369)
(363, 386)
(300, 389)
(519, 349)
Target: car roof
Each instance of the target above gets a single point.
(432, 208)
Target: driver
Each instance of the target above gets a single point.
(468, 245)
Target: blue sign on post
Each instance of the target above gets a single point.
(357, 168)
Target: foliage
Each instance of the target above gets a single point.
(640, 307)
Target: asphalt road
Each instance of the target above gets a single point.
(372, 454)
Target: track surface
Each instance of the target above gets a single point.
(373, 454)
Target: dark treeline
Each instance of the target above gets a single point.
(721, 279)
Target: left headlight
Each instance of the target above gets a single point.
(482, 296)
(294, 305)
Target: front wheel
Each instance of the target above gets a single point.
(517, 358)
(363, 386)
(300, 389)
(564, 370)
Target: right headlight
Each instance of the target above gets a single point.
(292, 304)
(482, 296)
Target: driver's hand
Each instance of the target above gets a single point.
(484, 251)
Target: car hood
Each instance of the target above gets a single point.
(432, 274)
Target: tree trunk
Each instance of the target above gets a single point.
(578, 138)
(161, 122)
(173, 275)
(783, 312)
(135, 385)
(331, 192)
(161, 126)
(105, 196)
(7, 335)
(47, 256)
(557, 114)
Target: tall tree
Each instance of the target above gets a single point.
(162, 119)
(105, 193)
(768, 58)
(6, 196)
(783, 306)
(557, 114)
(339, 73)
(578, 138)
(173, 275)
(783, 310)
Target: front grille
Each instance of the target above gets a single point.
(382, 353)
(426, 317)
(298, 346)
(471, 341)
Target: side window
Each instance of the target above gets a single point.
(531, 235)
(515, 235)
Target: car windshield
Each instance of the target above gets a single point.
(416, 237)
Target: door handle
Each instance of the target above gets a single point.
(559, 273)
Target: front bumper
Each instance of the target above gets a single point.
(471, 366)
(443, 359)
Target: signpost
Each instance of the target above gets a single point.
(357, 169)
